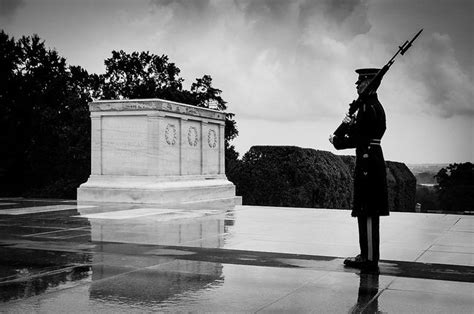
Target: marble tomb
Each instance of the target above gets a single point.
(156, 151)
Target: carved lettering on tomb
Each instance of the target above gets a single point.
(192, 111)
(136, 106)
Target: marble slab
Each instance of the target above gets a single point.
(141, 148)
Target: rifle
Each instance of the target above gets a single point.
(373, 85)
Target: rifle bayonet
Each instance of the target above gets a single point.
(407, 44)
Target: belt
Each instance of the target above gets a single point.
(375, 141)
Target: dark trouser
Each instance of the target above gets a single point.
(369, 237)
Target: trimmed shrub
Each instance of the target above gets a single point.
(302, 177)
(292, 176)
(402, 188)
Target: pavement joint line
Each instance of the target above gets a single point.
(31, 246)
(49, 232)
(46, 200)
(287, 241)
(60, 237)
(423, 253)
(462, 231)
(46, 273)
(72, 236)
(450, 252)
(289, 293)
(131, 271)
(454, 224)
(43, 227)
(419, 290)
(378, 294)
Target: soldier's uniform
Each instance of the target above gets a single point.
(370, 183)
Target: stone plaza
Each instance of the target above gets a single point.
(60, 257)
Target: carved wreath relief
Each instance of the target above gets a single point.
(212, 138)
(171, 134)
(192, 136)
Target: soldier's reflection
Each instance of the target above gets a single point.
(367, 302)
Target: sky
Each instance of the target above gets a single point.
(286, 68)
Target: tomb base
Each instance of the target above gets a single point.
(141, 189)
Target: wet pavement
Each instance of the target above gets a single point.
(57, 256)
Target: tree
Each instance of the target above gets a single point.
(10, 59)
(44, 115)
(140, 75)
(455, 186)
(44, 120)
(145, 75)
(427, 198)
(204, 95)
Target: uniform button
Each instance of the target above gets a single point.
(365, 155)
(365, 173)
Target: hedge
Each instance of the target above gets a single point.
(291, 176)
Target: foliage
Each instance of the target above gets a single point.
(298, 177)
(292, 176)
(455, 186)
(427, 198)
(44, 118)
(145, 75)
(401, 184)
(140, 75)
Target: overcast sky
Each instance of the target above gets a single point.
(286, 68)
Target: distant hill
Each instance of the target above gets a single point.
(424, 173)
(419, 168)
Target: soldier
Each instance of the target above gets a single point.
(364, 133)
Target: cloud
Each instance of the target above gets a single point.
(449, 90)
(9, 7)
(278, 60)
(294, 60)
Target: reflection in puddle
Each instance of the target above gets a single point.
(139, 232)
(366, 298)
(25, 269)
(200, 228)
(174, 280)
(45, 283)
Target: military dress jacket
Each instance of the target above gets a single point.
(370, 178)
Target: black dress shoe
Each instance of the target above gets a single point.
(353, 261)
(361, 263)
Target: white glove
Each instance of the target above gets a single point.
(331, 138)
(347, 119)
